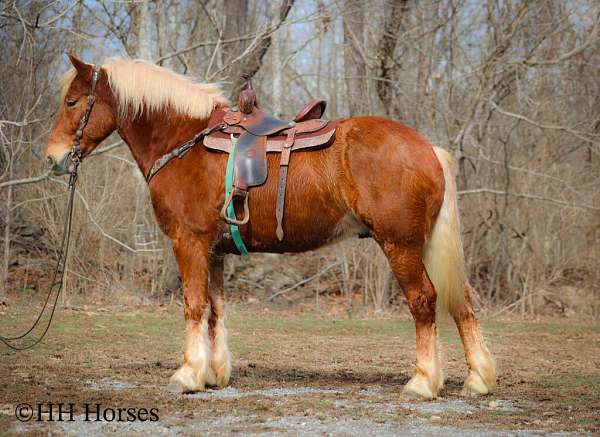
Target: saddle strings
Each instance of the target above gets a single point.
(59, 271)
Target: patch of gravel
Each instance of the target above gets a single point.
(292, 425)
(197, 423)
(282, 426)
(109, 384)
(460, 406)
(233, 393)
(395, 424)
(371, 391)
(500, 405)
(308, 426)
(380, 406)
(439, 407)
(98, 429)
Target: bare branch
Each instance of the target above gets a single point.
(93, 220)
(26, 181)
(528, 196)
(304, 281)
(580, 135)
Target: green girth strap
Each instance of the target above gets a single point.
(233, 229)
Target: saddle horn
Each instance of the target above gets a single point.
(247, 99)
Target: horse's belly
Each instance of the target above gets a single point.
(308, 223)
(311, 236)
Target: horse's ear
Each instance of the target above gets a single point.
(83, 69)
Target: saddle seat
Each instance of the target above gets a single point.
(258, 133)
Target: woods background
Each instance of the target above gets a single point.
(510, 87)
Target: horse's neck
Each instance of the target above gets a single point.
(151, 135)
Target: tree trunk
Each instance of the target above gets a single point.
(235, 27)
(394, 13)
(6, 258)
(354, 61)
(139, 222)
(162, 32)
(144, 31)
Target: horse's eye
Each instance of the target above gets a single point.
(71, 103)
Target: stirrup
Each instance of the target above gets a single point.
(233, 220)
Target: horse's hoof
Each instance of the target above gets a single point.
(476, 386)
(184, 381)
(222, 375)
(176, 388)
(410, 396)
(418, 388)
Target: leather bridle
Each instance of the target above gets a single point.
(75, 155)
(76, 152)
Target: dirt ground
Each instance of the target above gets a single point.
(297, 374)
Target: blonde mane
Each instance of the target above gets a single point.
(140, 85)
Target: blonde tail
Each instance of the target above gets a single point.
(443, 254)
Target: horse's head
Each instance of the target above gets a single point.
(102, 118)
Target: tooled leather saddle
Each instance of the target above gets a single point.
(258, 133)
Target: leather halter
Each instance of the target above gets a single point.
(76, 152)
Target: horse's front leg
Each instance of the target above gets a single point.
(221, 357)
(196, 371)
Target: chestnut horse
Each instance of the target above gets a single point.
(378, 176)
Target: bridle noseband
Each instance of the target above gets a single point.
(75, 155)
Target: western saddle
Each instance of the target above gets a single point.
(252, 133)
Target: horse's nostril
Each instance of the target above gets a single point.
(51, 161)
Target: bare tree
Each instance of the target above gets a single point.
(511, 88)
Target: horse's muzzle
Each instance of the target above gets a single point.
(60, 167)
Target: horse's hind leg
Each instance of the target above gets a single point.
(482, 371)
(408, 268)
(196, 371)
(221, 357)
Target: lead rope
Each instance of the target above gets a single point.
(59, 271)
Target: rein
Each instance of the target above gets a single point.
(75, 155)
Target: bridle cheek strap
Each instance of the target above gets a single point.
(76, 152)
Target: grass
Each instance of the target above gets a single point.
(545, 366)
